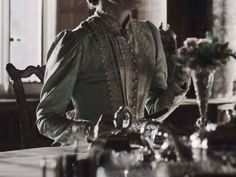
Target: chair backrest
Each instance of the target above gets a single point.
(169, 42)
(24, 120)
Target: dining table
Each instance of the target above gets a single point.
(27, 162)
(30, 163)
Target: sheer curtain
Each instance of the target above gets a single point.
(224, 28)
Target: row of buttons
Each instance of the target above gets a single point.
(126, 35)
(134, 83)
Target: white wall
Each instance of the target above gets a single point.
(155, 11)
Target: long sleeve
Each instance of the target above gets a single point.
(163, 97)
(62, 71)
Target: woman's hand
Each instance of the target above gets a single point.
(182, 76)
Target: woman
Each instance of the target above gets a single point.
(110, 60)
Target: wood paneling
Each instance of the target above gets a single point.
(71, 13)
(9, 131)
(189, 19)
(9, 127)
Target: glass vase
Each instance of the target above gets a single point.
(203, 81)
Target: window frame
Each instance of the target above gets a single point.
(4, 44)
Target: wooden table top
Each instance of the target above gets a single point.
(218, 101)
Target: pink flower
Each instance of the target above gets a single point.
(191, 43)
(183, 54)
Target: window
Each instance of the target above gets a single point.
(21, 43)
(25, 40)
(4, 42)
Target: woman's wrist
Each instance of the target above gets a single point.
(182, 85)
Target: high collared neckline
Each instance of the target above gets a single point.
(112, 23)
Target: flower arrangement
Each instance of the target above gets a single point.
(205, 52)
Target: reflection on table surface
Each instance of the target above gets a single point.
(26, 163)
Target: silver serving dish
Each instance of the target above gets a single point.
(208, 152)
(157, 151)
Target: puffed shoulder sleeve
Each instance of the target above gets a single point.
(61, 73)
(162, 97)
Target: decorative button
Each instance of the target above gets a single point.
(135, 80)
(131, 50)
(133, 107)
(134, 61)
(135, 70)
(134, 89)
(125, 33)
(133, 99)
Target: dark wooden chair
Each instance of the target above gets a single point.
(29, 135)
